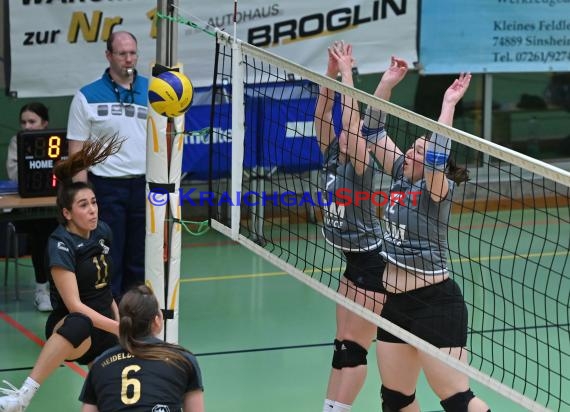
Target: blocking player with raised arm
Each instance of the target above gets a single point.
(143, 372)
(423, 298)
(353, 228)
(84, 322)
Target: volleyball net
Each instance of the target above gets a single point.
(508, 236)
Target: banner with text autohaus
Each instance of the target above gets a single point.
(495, 36)
(56, 47)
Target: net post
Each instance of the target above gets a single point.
(238, 136)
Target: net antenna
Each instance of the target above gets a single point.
(235, 18)
(508, 237)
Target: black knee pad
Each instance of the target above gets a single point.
(352, 354)
(337, 355)
(76, 328)
(393, 401)
(458, 402)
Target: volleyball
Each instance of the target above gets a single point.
(170, 93)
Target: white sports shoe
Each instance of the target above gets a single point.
(42, 299)
(13, 401)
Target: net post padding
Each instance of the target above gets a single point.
(238, 136)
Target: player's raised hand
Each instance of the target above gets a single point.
(395, 73)
(457, 90)
(332, 66)
(342, 53)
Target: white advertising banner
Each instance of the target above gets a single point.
(56, 47)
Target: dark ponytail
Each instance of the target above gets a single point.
(137, 311)
(92, 153)
(456, 173)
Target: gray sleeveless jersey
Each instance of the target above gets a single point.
(348, 226)
(415, 232)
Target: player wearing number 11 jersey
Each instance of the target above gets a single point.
(89, 259)
(84, 321)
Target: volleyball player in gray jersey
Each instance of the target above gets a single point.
(423, 299)
(351, 226)
(347, 225)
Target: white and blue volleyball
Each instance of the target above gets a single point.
(170, 93)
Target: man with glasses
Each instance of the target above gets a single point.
(116, 104)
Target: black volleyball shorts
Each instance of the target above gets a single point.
(436, 314)
(365, 269)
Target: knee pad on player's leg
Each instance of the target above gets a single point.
(337, 355)
(76, 328)
(458, 402)
(393, 401)
(352, 354)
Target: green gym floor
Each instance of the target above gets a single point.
(262, 338)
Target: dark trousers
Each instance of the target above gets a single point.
(122, 206)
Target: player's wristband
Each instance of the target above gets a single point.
(374, 119)
(373, 135)
(437, 152)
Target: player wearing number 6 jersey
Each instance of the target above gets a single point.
(83, 323)
(143, 373)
